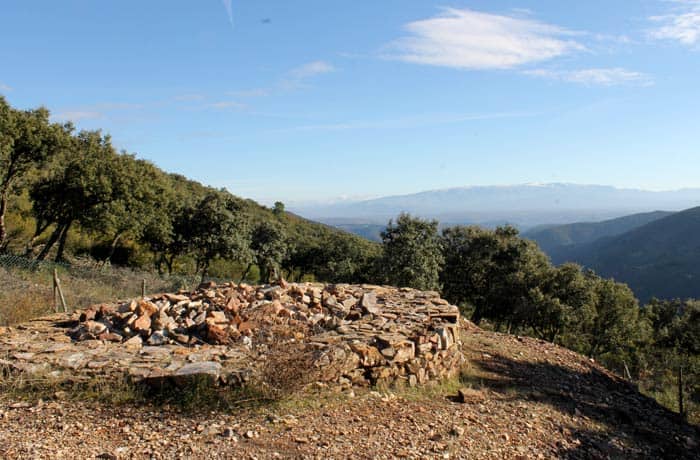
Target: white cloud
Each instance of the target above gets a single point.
(292, 80)
(257, 92)
(225, 105)
(191, 97)
(311, 69)
(97, 111)
(296, 78)
(600, 76)
(229, 10)
(467, 39)
(78, 115)
(4, 87)
(683, 25)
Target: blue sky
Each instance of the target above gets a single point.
(319, 99)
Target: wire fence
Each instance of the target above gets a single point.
(27, 285)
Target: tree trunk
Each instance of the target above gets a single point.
(245, 273)
(3, 209)
(40, 228)
(477, 316)
(681, 408)
(169, 262)
(62, 243)
(113, 247)
(205, 270)
(49, 244)
(158, 258)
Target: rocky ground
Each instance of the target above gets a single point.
(515, 398)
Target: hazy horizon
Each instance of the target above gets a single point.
(356, 199)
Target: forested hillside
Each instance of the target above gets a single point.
(656, 260)
(558, 240)
(65, 194)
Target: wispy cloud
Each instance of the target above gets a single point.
(256, 92)
(595, 77)
(409, 122)
(78, 115)
(191, 97)
(229, 10)
(681, 25)
(467, 39)
(291, 80)
(297, 78)
(221, 105)
(311, 69)
(111, 110)
(4, 87)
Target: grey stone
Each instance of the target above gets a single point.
(189, 373)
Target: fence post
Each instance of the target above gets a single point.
(681, 405)
(628, 376)
(57, 287)
(143, 288)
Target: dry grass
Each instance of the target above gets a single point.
(288, 366)
(21, 299)
(40, 386)
(27, 293)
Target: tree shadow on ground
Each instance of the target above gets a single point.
(636, 426)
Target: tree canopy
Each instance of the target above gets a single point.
(412, 253)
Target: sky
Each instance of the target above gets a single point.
(320, 100)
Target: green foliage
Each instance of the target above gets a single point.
(494, 271)
(412, 253)
(278, 209)
(86, 198)
(269, 246)
(80, 191)
(674, 350)
(563, 303)
(27, 141)
(214, 228)
(342, 260)
(616, 330)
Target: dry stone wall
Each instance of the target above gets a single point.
(354, 335)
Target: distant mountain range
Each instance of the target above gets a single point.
(657, 259)
(525, 206)
(561, 241)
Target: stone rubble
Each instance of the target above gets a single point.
(356, 334)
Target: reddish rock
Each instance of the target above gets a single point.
(218, 317)
(233, 304)
(369, 355)
(142, 323)
(217, 335)
(146, 308)
(246, 328)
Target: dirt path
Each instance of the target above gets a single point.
(527, 399)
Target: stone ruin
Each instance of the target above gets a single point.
(355, 335)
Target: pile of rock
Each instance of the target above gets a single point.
(358, 334)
